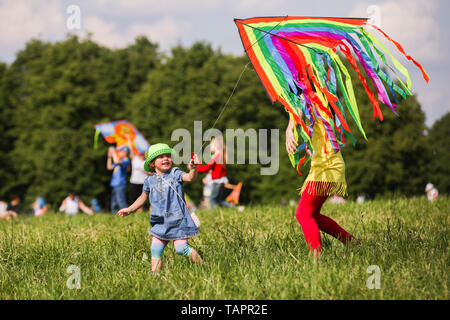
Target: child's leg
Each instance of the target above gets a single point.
(113, 200)
(121, 194)
(157, 249)
(213, 198)
(182, 248)
(306, 209)
(328, 225)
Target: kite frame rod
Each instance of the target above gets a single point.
(237, 20)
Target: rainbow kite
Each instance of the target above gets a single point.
(298, 60)
(119, 132)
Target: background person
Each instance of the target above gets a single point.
(95, 206)
(431, 191)
(72, 204)
(13, 208)
(120, 164)
(39, 206)
(138, 176)
(4, 213)
(218, 168)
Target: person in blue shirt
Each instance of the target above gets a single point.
(170, 218)
(95, 206)
(39, 206)
(120, 164)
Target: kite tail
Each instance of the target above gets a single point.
(96, 135)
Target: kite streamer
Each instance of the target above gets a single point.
(119, 132)
(299, 62)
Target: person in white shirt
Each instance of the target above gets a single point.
(431, 191)
(72, 204)
(138, 175)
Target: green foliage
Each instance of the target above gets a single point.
(439, 142)
(394, 157)
(53, 94)
(60, 91)
(193, 85)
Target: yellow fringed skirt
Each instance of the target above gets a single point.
(327, 174)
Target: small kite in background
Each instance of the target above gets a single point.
(119, 132)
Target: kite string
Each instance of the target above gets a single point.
(240, 76)
(229, 98)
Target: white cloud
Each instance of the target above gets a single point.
(258, 6)
(22, 20)
(410, 22)
(164, 31)
(155, 7)
(103, 32)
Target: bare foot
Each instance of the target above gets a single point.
(196, 258)
(156, 266)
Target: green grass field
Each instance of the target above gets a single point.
(256, 254)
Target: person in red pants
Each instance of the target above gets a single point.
(326, 177)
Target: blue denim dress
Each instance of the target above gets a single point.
(169, 218)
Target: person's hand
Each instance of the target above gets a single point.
(191, 165)
(124, 212)
(291, 143)
(110, 151)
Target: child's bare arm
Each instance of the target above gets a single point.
(230, 186)
(136, 205)
(109, 162)
(192, 174)
(291, 143)
(85, 208)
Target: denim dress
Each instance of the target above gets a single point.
(169, 218)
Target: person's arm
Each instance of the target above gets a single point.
(130, 146)
(136, 205)
(109, 162)
(230, 186)
(12, 213)
(62, 207)
(206, 167)
(291, 143)
(85, 208)
(192, 174)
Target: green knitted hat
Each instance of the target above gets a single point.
(154, 151)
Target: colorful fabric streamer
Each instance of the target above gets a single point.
(298, 60)
(119, 132)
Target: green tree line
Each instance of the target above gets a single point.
(52, 94)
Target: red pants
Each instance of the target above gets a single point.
(309, 217)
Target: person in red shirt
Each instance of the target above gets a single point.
(218, 168)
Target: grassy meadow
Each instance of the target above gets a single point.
(259, 253)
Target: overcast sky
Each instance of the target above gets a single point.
(421, 26)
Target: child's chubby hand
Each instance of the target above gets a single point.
(191, 165)
(124, 212)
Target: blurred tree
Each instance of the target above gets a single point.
(53, 94)
(193, 85)
(7, 138)
(393, 159)
(439, 142)
(61, 90)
